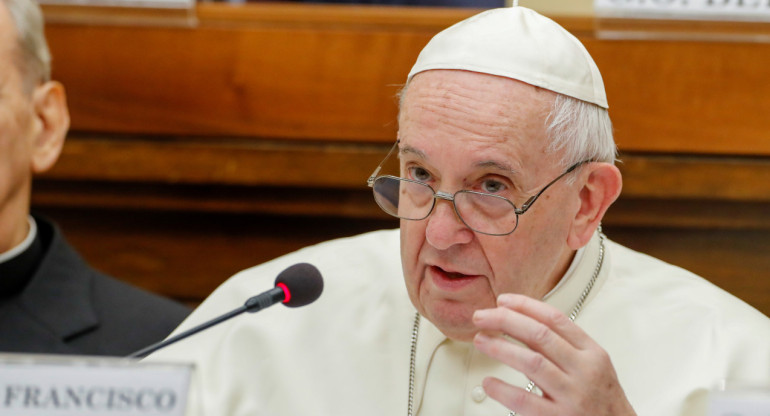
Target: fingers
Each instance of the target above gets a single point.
(544, 337)
(548, 315)
(517, 399)
(574, 373)
(534, 365)
(554, 353)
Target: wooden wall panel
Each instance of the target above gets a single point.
(274, 78)
(298, 72)
(687, 96)
(223, 162)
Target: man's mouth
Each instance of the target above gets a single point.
(450, 281)
(450, 274)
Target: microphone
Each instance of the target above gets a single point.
(296, 286)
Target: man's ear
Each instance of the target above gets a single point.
(601, 188)
(50, 104)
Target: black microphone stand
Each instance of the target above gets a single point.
(253, 304)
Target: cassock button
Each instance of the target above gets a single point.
(478, 394)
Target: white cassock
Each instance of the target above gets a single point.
(672, 337)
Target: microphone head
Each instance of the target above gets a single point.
(303, 282)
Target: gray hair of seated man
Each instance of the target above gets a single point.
(582, 130)
(33, 56)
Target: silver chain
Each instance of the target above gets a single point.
(572, 316)
(412, 362)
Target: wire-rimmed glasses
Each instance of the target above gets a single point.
(481, 212)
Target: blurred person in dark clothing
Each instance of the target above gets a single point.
(51, 301)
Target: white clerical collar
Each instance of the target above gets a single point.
(24, 244)
(576, 279)
(570, 271)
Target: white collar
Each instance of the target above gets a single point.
(24, 244)
(570, 271)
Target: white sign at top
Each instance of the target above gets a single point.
(152, 4)
(751, 10)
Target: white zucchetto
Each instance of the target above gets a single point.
(519, 43)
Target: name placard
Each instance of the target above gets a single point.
(740, 399)
(749, 10)
(150, 4)
(44, 385)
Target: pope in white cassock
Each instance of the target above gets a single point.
(499, 294)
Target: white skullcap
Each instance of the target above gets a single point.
(517, 42)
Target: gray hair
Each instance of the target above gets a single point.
(34, 59)
(582, 130)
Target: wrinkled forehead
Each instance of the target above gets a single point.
(482, 99)
(479, 115)
(462, 86)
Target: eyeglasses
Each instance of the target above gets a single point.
(481, 212)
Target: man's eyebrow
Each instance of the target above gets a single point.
(498, 166)
(406, 149)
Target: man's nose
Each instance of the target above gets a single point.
(445, 228)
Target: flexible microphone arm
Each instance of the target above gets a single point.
(298, 285)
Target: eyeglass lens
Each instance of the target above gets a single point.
(412, 200)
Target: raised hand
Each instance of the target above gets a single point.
(574, 373)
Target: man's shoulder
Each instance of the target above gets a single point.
(363, 282)
(106, 292)
(648, 280)
(130, 317)
(366, 264)
(112, 293)
(656, 320)
(78, 309)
